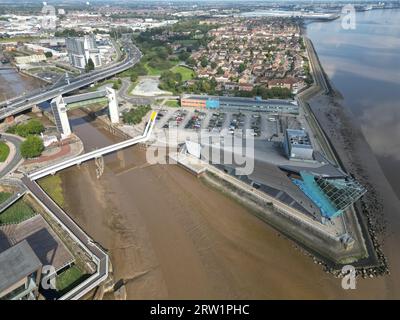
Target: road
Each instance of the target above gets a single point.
(20, 104)
(319, 87)
(17, 157)
(124, 94)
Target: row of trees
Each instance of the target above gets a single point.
(266, 93)
(69, 33)
(26, 129)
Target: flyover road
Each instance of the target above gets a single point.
(133, 55)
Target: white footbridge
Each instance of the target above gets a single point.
(53, 169)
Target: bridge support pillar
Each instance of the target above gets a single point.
(113, 105)
(99, 166)
(59, 109)
(9, 119)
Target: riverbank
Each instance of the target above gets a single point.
(356, 156)
(14, 84)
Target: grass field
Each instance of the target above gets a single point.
(4, 151)
(172, 103)
(18, 212)
(187, 73)
(4, 196)
(69, 279)
(156, 72)
(52, 185)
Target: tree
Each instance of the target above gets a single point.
(220, 71)
(242, 67)
(31, 127)
(213, 65)
(32, 147)
(191, 62)
(48, 54)
(183, 56)
(89, 65)
(204, 62)
(135, 116)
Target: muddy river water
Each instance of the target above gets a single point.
(170, 236)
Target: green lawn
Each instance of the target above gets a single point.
(69, 279)
(52, 185)
(4, 151)
(186, 73)
(152, 71)
(156, 72)
(4, 196)
(18, 212)
(172, 103)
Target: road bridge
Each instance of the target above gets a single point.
(53, 169)
(18, 105)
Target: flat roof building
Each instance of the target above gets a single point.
(20, 271)
(240, 103)
(297, 145)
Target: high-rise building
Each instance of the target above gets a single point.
(80, 50)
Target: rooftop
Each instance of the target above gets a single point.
(242, 100)
(16, 263)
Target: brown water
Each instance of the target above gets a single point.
(14, 84)
(170, 236)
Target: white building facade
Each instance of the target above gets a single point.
(80, 50)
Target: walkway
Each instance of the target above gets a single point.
(97, 254)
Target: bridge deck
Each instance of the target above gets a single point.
(96, 153)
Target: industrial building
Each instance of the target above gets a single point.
(297, 145)
(275, 106)
(80, 50)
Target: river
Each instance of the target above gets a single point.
(14, 84)
(364, 66)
